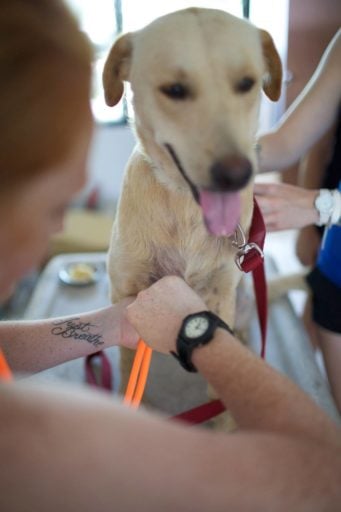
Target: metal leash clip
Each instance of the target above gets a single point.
(243, 247)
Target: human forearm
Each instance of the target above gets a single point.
(32, 346)
(308, 118)
(96, 466)
(290, 140)
(287, 144)
(259, 397)
(275, 152)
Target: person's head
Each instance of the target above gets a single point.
(45, 127)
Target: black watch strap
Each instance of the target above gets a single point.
(185, 346)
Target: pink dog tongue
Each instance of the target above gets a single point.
(221, 211)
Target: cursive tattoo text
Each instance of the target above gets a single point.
(77, 330)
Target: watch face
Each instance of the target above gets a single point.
(196, 327)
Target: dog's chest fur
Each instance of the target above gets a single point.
(159, 232)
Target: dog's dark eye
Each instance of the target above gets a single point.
(175, 91)
(245, 84)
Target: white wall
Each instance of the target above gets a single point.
(111, 148)
(273, 17)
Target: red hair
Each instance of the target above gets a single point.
(45, 64)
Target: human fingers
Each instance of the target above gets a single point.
(267, 189)
(272, 223)
(171, 293)
(267, 205)
(157, 313)
(274, 190)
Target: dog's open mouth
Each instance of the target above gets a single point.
(221, 211)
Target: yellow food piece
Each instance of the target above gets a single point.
(81, 272)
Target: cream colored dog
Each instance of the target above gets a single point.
(196, 77)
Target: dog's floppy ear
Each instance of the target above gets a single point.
(116, 69)
(273, 80)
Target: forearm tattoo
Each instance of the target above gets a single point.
(77, 330)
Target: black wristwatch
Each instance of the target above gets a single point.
(196, 330)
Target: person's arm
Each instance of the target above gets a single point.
(80, 452)
(258, 397)
(32, 346)
(308, 118)
(287, 206)
(290, 207)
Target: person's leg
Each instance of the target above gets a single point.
(326, 315)
(309, 324)
(330, 344)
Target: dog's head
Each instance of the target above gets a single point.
(196, 77)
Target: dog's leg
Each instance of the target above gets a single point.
(126, 356)
(126, 283)
(221, 299)
(226, 310)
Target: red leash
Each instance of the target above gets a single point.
(105, 371)
(249, 258)
(254, 262)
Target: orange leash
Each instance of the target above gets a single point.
(139, 374)
(5, 372)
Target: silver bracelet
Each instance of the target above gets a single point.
(328, 206)
(336, 215)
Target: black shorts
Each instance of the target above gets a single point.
(326, 301)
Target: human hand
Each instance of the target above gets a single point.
(158, 312)
(286, 206)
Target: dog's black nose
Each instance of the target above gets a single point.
(231, 173)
